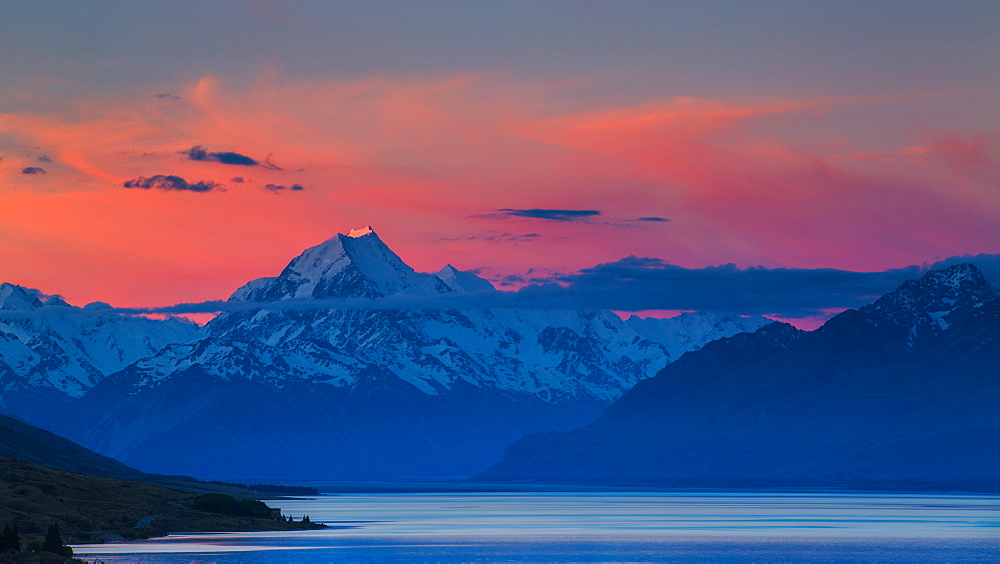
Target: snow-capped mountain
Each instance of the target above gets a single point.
(460, 384)
(53, 349)
(555, 355)
(356, 265)
(921, 309)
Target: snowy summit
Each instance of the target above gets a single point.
(366, 230)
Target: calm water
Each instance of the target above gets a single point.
(600, 527)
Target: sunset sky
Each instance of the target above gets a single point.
(156, 153)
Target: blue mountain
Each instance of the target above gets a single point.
(902, 393)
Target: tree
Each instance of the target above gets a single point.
(6, 539)
(15, 538)
(54, 542)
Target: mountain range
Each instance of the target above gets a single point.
(901, 393)
(265, 391)
(52, 352)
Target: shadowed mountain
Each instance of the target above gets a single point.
(37, 446)
(29, 444)
(903, 393)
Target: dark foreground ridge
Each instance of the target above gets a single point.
(97, 509)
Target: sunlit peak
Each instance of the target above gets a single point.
(366, 230)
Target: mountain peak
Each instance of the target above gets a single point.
(57, 301)
(925, 306)
(355, 265)
(366, 230)
(462, 281)
(13, 296)
(955, 276)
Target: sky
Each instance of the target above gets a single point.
(158, 153)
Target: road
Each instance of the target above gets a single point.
(146, 521)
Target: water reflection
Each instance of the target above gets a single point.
(602, 527)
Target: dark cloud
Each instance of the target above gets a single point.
(579, 216)
(238, 179)
(171, 182)
(546, 214)
(512, 280)
(33, 170)
(44, 159)
(230, 158)
(638, 283)
(530, 276)
(281, 188)
(197, 153)
(168, 96)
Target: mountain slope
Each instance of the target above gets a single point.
(37, 446)
(859, 401)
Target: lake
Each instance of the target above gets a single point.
(601, 527)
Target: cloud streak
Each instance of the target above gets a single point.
(546, 214)
(630, 284)
(276, 188)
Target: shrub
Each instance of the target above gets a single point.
(228, 505)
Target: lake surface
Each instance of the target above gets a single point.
(601, 527)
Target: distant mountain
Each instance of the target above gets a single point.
(51, 352)
(362, 393)
(920, 310)
(904, 392)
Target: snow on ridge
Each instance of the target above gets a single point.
(463, 281)
(72, 353)
(923, 307)
(245, 292)
(13, 297)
